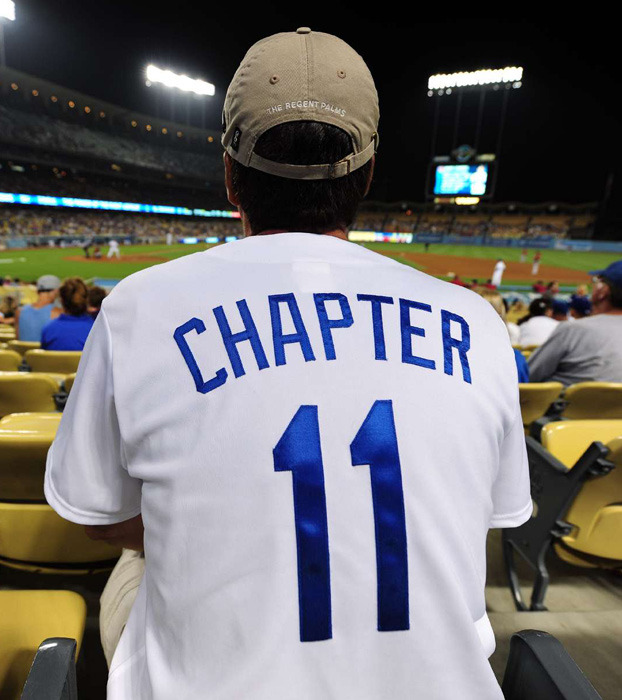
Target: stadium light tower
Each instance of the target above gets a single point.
(178, 81)
(7, 13)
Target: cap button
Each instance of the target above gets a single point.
(303, 30)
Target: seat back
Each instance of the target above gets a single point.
(568, 440)
(9, 360)
(22, 346)
(536, 398)
(69, 380)
(61, 361)
(26, 619)
(596, 512)
(26, 391)
(36, 538)
(25, 439)
(593, 400)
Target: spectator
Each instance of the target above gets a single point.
(591, 348)
(8, 308)
(580, 307)
(70, 330)
(95, 298)
(560, 310)
(31, 319)
(498, 304)
(552, 288)
(539, 324)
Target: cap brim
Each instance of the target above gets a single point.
(595, 272)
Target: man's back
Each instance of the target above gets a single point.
(389, 397)
(589, 349)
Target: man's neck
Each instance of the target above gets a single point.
(336, 233)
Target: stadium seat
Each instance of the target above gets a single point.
(26, 391)
(577, 491)
(60, 361)
(9, 361)
(25, 439)
(22, 346)
(593, 400)
(539, 668)
(33, 537)
(536, 398)
(26, 619)
(69, 380)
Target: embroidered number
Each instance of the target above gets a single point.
(375, 444)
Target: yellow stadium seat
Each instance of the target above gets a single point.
(9, 360)
(536, 398)
(26, 619)
(25, 439)
(593, 400)
(35, 538)
(576, 484)
(22, 346)
(26, 391)
(60, 361)
(69, 380)
(4, 346)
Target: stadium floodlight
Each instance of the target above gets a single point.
(179, 81)
(477, 78)
(7, 10)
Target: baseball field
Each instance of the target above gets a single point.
(568, 268)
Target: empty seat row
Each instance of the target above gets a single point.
(36, 360)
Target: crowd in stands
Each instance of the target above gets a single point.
(34, 224)
(495, 226)
(44, 132)
(66, 182)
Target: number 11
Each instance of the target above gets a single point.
(299, 451)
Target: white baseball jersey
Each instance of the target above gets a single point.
(318, 439)
(497, 274)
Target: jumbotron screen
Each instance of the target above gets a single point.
(461, 179)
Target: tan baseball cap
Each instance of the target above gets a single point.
(301, 76)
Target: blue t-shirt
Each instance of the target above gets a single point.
(522, 367)
(66, 332)
(32, 320)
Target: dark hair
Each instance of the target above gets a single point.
(73, 295)
(616, 293)
(314, 206)
(538, 307)
(95, 296)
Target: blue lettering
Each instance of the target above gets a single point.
(195, 324)
(376, 317)
(232, 339)
(326, 323)
(280, 340)
(408, 331)
(462, 345)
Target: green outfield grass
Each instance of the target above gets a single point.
(30, 264)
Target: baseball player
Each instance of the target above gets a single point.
(536, 263)
(315, 438)
(497, 274)
(113, 249)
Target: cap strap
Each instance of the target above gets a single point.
(325, 171)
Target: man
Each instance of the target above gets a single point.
(30, 319)
(497, 274)
(591, 348)
(113, 249)
(536, 263)
(560, 309)
(276, 409)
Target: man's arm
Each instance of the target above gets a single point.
(127, 534)
(543, 363)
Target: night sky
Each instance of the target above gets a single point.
(562, 133)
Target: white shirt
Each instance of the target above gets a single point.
(113, 244)
(256, 489)
(497, 274)
(536, 330)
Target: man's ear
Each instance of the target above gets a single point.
(370, 177)
(231, 193)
